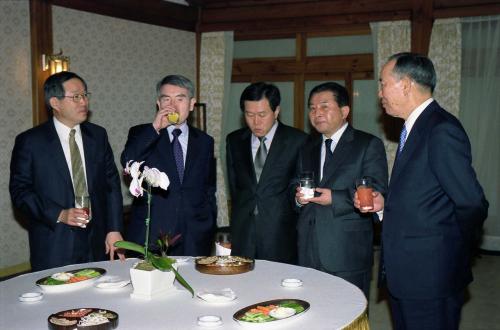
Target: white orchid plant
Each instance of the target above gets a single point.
(154, 178)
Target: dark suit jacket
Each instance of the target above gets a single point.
(272, 231)
(189, 208)
(41, 186)
(344, 235)
(433, 210)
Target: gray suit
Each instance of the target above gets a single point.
(270, 234)
(338, 238)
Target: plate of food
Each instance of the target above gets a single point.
(70, 280)
(83, 319)
(271, 312)
(224, 265)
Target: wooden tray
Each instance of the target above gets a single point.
(223, 265)
(74, 319)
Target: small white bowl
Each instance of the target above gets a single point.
(291, 282)
(209, 321)
(30, 297)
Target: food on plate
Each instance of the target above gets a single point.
(272, 312)
(71, 277)
(84, 318)
(224, 265)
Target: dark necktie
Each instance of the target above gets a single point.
(402, 139)
(79, 184)
(260, 157)
(328, 154)
(178, 155)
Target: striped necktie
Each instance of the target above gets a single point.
(402, 139)
(260, 158)
(79, 183)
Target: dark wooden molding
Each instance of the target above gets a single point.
(41, 43)
(421, 25)
(156, 12)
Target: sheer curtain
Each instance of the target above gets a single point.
(480, 111)
(390, 38)
(215, 76)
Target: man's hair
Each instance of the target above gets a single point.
(339, 92)
(176, 80)
(53, 86)
(258, 91)
(418, 68)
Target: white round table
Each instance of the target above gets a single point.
(335, 303)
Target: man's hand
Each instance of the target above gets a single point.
(378, 202)
(74, 217)
(299, 197)
(325, 197)
(111, 238)
(161, 120)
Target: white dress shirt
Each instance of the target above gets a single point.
(269, 139)
(335, 140)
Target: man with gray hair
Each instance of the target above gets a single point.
(434, 209)
(186, 154)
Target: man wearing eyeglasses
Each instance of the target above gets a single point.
(334, 236)
(55, 163)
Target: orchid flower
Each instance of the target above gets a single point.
(156, 178)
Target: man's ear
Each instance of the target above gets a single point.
(345, 111)
(191, 105)
(277, 112)
(54, 103)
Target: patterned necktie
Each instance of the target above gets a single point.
(402, 139)
(328, 154)
(260, 157)
(178, 154)
(79, 184)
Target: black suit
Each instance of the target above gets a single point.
(338, 238)
(41, 186)
(189, 208)
(270, 234)
(433, 211)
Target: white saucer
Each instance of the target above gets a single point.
(30, 297)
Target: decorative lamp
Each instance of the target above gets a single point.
(55, 63)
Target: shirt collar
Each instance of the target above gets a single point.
(269, 136)
(337, 135)
(63, 130)
(184, 129)
(412, 118)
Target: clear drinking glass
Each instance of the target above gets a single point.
(83, 202)
(306, 182)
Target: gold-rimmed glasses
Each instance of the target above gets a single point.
(77, 98)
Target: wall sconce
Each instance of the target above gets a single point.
(55, 63)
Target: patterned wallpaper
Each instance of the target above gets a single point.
(121, 62)
(16, 116)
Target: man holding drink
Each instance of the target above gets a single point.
(64, 178)
(333, 236)
(186, 155)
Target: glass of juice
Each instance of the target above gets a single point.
(83, 202)
(364, 189)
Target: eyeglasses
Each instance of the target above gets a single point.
(78, 97)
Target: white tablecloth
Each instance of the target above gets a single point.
(334, 302)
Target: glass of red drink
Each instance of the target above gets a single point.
(364, 189)
(83, 202)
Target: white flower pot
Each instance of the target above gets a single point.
(148, 284)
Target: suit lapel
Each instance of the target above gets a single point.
(340, 152)
(411, 143)
(193, 149)
(275, 153)
(57, 153)
(245, 150)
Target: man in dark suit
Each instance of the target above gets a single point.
(54, 163)
(334, 236)
(186, 155)
(435, 206)
(260, 164)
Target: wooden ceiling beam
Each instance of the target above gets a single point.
(476, 10)
(156, 12)
(421, 25)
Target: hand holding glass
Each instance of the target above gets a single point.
(83, 202)
(365, 193)
(306, 181)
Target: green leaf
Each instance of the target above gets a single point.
(161, 263)
(130, 246)
(183, 282)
